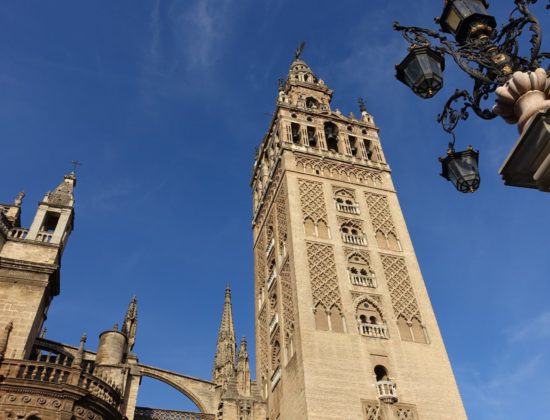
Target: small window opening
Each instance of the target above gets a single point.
(311, 137)
(312, 103)
(50, 222)
(295, 133)
(331, 134)
(381, 373)
(368, 148)
(353, 145)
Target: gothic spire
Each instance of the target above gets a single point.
(243, 370)
(224, 363)
(129, 325)
(63, 194)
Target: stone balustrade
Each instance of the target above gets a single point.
(59, 374)
(270, 247)
(145, 413)
(387, 391)
(354, 239)
(274, 322)
(347, 208)
(373, 330)
(275, 378)
(362, 280)
(271, 279)
(19, 233)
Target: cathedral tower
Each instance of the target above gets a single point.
(29, 264)
(344, 324)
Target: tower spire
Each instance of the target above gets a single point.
(129, 326)
(224, 363)
(243, 370)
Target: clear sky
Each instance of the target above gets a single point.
(165, 103)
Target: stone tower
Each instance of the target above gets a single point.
(344, 324)
(29, 263)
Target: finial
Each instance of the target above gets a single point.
(115, 327)
(227, 293)
(362, 106)
(75, 164)
(281, 83)
(299, 50)
(243, 342)
(83, 337)
(19, 199)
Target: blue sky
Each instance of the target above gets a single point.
(165, 102)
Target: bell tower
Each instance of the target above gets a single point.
(29, 264)
(344, 325)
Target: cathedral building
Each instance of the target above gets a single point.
(344, 326)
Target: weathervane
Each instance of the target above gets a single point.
(299, 50)
(362, 106)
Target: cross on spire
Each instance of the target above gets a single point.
(75, 164)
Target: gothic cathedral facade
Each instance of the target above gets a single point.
(344, 324)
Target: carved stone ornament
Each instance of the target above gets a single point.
(522, 97)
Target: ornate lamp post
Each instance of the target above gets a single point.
(492, 58)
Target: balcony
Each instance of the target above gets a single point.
(270, 247)
(273, 323)
(354, 239)
(387, 391)
(373, 330)
(347, 208)
(362, 280)
(275, 378)
(271, 279)
(145, 413)
(19, 233)
(52, 376)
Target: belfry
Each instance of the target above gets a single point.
(344, 324)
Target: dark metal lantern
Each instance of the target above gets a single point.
(461, 168)
(464, 18)
(422, 71)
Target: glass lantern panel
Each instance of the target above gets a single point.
(425, 63)
(477, 7)
(464, 7)
(453, 19)
(413, 72)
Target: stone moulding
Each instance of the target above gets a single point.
(528, 164)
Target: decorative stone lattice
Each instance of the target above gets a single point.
(322, 272)
(343, 192)
(335, 169)
(282, 225)
(267, 197)
(260, 260)
(313, 200)
(372, 411)
(402, 296)
(406, 413)
(262, 344)
(288, 300)
(357, 224)
(360, 252)
(379, 211)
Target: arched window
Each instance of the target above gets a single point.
(309, 227)
(370, 320)
(296, 137)
(311, 136)
(321, 318)
(359, 271)
(345, 202)
(331, 135)
(404, 329)
(336, 320)
(322, 230)
(381, 373)
(312, 103)
(352, 234)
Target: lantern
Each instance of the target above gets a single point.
(422, 71)
(461, 168)
(467, 18)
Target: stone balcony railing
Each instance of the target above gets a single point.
(373, 330)
(354, 239)
(270, 247)
(387, 391)
(362, 280)
(347, 208)
(58, 376)
(271, 279)
(145, 413)
(275, 378)
(273, 323)
(22, 233)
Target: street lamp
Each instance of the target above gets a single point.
(492, 58)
